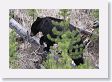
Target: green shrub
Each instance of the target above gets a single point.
(68, 41)
(12, 50)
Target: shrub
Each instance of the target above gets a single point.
(12, 50)
(68, 41)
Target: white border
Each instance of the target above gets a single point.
(102, 72)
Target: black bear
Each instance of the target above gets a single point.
(45, 26)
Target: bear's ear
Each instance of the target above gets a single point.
(38, 18)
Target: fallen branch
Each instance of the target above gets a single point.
(23, 32)
(87, 32)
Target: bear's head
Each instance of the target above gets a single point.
(35, 28)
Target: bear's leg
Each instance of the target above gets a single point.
(78, 61)
(47, 48)
(42, 40)
(48, 42)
